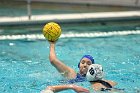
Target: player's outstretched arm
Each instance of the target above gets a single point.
(60, 66)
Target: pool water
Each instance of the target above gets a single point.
(25, 67)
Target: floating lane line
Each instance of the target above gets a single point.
(69, 35)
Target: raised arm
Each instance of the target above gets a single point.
(58, 88)
(60, 66)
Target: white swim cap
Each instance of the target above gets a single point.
(95, 72)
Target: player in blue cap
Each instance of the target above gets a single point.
(84, 65)
(67, 71)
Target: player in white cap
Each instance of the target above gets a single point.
(95, 76)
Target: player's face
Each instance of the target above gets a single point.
(84, 64)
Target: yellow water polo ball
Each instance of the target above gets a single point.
(52, 31)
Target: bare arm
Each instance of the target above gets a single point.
(97, 86)
(60, 66)
(112, 83)
(58, 88)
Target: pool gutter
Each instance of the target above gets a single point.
(71, 18)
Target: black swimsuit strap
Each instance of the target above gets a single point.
(104, 83)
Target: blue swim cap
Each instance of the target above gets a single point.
(89, 57)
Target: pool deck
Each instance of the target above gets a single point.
(69, 18)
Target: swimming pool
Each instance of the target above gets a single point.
(25, 68)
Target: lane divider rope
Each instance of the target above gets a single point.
(69, 35)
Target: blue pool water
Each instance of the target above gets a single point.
(25, 68)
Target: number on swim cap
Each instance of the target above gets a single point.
(95, 72)
(91, 71)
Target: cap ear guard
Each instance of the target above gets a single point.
(78, 64)
(95, 72)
